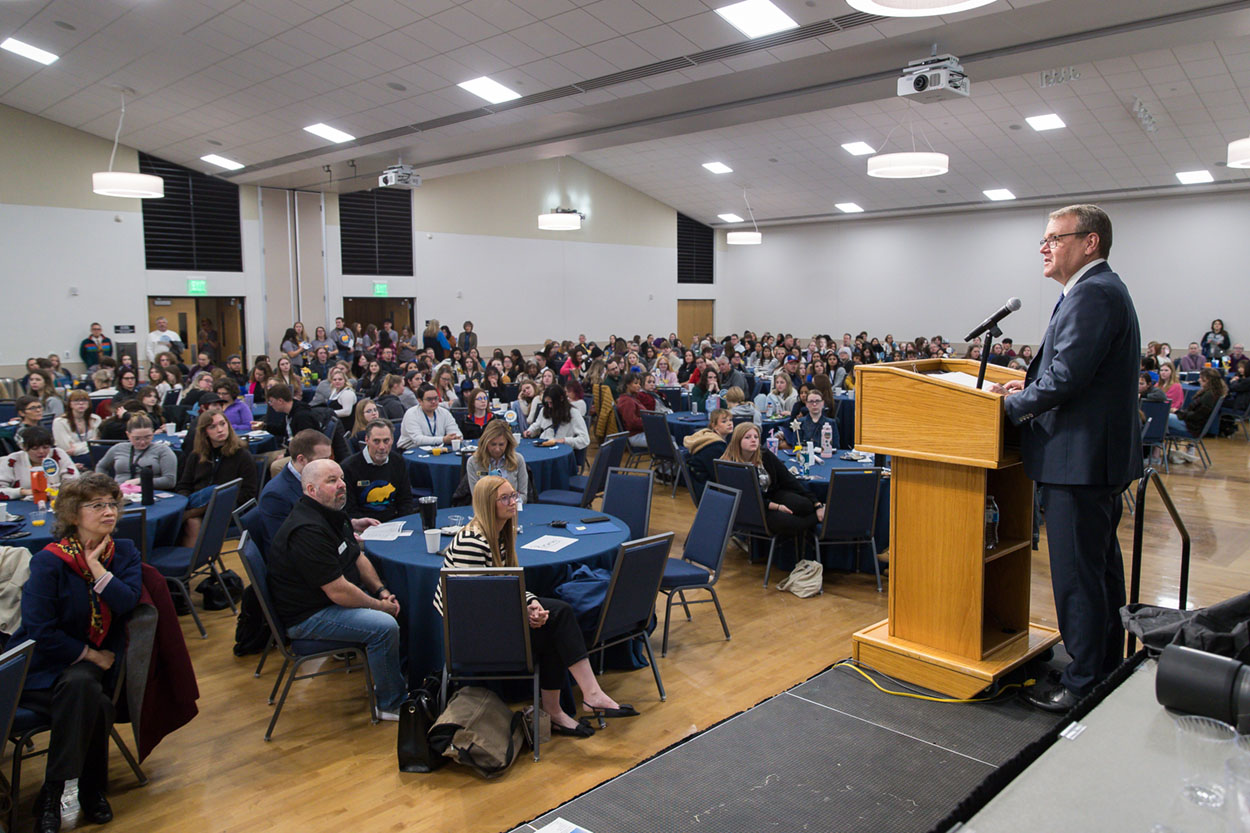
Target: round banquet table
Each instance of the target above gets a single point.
(843, 556)
(257, 442)
(164, 520)
(412, 574)
(551, 468)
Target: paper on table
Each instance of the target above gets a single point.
(959, 378)
(548, 543)
(383, 532)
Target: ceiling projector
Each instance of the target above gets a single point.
(937, 78)
(399, 176)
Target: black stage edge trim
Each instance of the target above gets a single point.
(994, 783)
(676, 744)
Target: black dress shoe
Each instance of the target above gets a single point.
(581, 730)
(48, 808)
(1056, 698)
(95, 807)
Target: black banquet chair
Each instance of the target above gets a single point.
(701, 560)
(851, 506)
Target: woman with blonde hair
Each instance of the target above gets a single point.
(496, 456)
(601, 413)
(1171, 385)
(489, 540)
(342, 398)
(783, 397)
(433, 339)
(791, 510)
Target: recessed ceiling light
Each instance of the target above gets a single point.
(997, 194)
(69, 27)
(848, 208)
(17, 47)
(1050, 121)
(333, 134)
(222, 162)
(396, 86)
(730, 218)
(718, 167)
(1194, 177)
(489, 89)
(858, 148)
(213, 142)
(915, 8)
(755, 18)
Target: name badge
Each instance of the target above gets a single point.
(342, 548)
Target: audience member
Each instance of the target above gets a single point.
(558, 421)
(37, 452)
(342, 399)
(467, 340)
(496, 455)
(94, 346)
(123, 461)
(739, 407)
(283, 490)
(77, 426)
(286, 416)
(40, 385)
(113, 429)
(1170, 385)
(293, 349)
(474, 420)
(1239, 386)
(814, 420)
(1190, 420)
(489, 540)
(390, 404)
(427, 424)
(75, 605)
(1192, 361)
(127, 383)
(377, 477)
(706, 393)
(1216, 341)
(219, 457)
(705, 446)
(163, 340)
(791, 510)
(235, 409)
(324, 588)
(630, 408)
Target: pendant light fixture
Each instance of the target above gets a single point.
(559, 218)
(745, 238)
(912, 164)
(1239, 153)
(127, 184)
(915, 8)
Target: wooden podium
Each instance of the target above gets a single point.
(958, 612)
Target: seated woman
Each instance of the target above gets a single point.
(127, 384)
(650, 396)
(219, 457)
(40, 385)
(496, 456)
(577, 396)
(706, 393)
(287, 374)
(342, 399)
(790, 509)
(123, 461)
(37, 453)
(528, 400)
(687, 367)
(445, 383)
(739, 407)
(366, 412)
(479, 414)
(77, 426)
(1171, 385)
(74, 606)
(151, 399)
(559, 421)
(61, 377)
(29, 415)
(489, 540)
(200, 384)
(706, 445)
(256, 382)
(1239, 386)
(783, 397)
(1190, 420)
(368, 384)
(390, 405)
(158, 381)
(663, 374)
(235, 409)
(814, 421)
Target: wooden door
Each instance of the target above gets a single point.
(180, 313)
(695, 318)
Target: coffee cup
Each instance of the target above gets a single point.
(455, 444)
(170, 429)
(433, 537)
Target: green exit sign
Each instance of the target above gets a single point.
(381, 289)
(197, 286)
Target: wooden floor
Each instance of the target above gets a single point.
(329, 768)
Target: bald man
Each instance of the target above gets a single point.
(323, 586)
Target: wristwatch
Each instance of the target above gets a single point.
(381, 590)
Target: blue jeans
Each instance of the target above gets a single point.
(1177, 427)
(377, 631)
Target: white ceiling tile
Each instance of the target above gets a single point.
(511, 51)
(664, 42)
(622, 53)
(582, 27)
(545, 40)
(465, 24)
(504, 14)
(625, 16)
(670, 10)
(707, 30)
(585, 64)
(438, 38)
(394, 14)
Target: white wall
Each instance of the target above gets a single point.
(1183, 258)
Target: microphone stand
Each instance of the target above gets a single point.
(990, 335)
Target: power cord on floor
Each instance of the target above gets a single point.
(855, 666)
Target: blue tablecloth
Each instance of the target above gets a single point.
(842, 556)
(256, 444)
(682, 424)
(677, 398)
(412, 574)
(164, 520)
(551, 467)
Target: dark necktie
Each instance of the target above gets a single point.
(1057, 303)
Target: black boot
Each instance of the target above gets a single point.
(48, 807)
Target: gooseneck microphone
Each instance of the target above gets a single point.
(988, 324)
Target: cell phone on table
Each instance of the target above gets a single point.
(596, 519)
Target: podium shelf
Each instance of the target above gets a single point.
(1006, 548)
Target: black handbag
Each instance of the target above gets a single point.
(416, 717)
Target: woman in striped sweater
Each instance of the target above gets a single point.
(489, 540)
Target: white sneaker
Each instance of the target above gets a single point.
(390, 717)
(1179, 457)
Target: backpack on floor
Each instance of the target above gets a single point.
(251, 631)
(478, 730)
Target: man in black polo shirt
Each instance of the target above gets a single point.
(377, 477)
(323, 586)
(287, 416)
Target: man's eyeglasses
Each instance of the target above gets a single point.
(1050, 241)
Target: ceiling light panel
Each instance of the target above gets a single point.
(730, 218)
(329, 133)
(999, 194)
(1194, 177)
(489, 89)
(718, 167)
(222, 162)
(34, 53)
(859, 148)
(849, 208)
(756, 18)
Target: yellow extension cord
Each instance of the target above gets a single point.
(854, 667)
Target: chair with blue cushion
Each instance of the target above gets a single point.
(683, 473)
(609, 453)
(627, 495)
(486, 630)
(751, 521)
(179, 565)
(1242, 419)
(1174, 439)
(660, 444)
(1154, 434)
(296, 652)
(629, 606)
(851, 506)
(615, 452)
(700, 563)
(8, 409)
(13, 665)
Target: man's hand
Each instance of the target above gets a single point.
(390, 605)
(447, 438)
(1014, 386)
(537, 614)
(361, 524)
(104, 659)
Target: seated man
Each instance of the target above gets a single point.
(377, 477)
(37, 453)
(283, 491)
(286, 416)
(323, 586)
(427, 424)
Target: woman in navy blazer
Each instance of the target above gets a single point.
(74, 605)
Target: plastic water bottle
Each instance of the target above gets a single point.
(826, 441)
(991, 522)
(774, 444)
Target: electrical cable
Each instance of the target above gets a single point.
(855, 666)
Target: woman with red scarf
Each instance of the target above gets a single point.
(74, 604)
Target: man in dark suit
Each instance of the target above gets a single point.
(1080, 438)
(284, 489)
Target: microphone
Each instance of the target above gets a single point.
(1007, 309)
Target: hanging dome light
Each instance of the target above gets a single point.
(560, 219)
(1239, 153)
(915, 8)
(908, 165)
(744, 238)
(127, 184)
